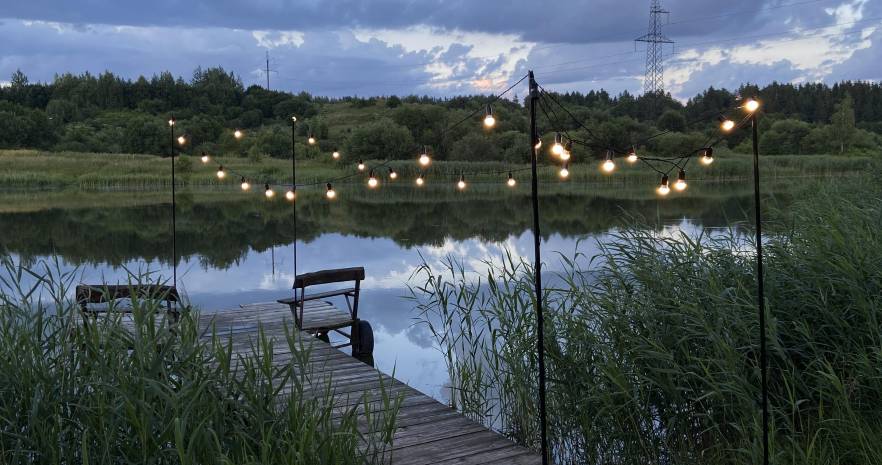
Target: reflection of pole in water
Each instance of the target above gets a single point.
(273, 255)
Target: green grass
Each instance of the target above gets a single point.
(27, 169)
(652, 344)
(115, 394)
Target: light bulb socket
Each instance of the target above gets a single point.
(558, 138)
(664, 181)
(681, 176)
(489, 110)
(569, 146)
(609, 155)
(709, 152)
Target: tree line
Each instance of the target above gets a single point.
(107, 113)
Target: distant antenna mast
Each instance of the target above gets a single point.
(267, 70)
(654, 82)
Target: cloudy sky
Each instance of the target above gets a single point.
(445, 47)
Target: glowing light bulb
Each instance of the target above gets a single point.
(372, 181)
(708, 157)
(205, 158)
(726, 124)
(751, 105)
(237, 134)
(632, 156)
(420, 181)
(392, 174)
(335, 155)
(290, 195)
(609, 165)
(663, 188)
(567, 151)
(182, 140)
(538, 144)
(171, 122)
(680, 184)
(461, 185)
(221, 173)
(511, 180)
(360, 165)
(311, 140)
(331, 194)
(424, 158)
(489, 119)
(269, 193)
(565, 171)
(245, 185)
(558, 147)
(293, 119)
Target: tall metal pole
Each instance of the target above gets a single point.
(540, 317)
(761, 301)
(294, 186)
(174, 206)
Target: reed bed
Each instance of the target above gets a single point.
(150, 393)
(652, 344)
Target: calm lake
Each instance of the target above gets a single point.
(238, 248)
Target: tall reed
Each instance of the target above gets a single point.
(151, 393)
(652, 344)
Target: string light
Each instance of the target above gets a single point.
(461, 185)
(269, 193)
(221, 173)
(489, 120)
(565, 171)
(290, 195)
(558, 147)
(708, 156)
(205, 158)
(609, 165)
(237, 134)
(751, 105)
(680, 184)
(245, 186)
(392, 174)
(424, 158)
(372, 180)
(420, 181)
(511, 180)
(335, 154)
(360, 165)
(726, 124)
(331, 194)
(632, 156)
(663, 188)
(311, 139)
(182, 140)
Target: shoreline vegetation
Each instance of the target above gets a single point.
(40, 170)
(652, 344)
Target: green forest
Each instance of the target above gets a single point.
(110, 114)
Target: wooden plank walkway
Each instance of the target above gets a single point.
(428, 432)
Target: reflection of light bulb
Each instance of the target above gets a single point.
(290, 195)
(565, 155)
(269, 193)
(392, 174)
(221, 173)
(511, 180)
(245, 186)
(360, 165)
(182, 140)
(372, 181)
(564, 172)
(632, 156)
(424, 159)
(461, 184)
(336, 155)
(538, 144)
(311, 140)
(330, 194)
(708, 156)
(420, 181)
(237, 134)
(680, 184)
(663, 188)
(751, 105)
(205, 158)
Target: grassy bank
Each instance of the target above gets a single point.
(117, 394)
(652, 345)
(26, 169)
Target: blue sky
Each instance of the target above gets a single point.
(445, 47)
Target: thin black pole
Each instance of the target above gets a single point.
(294, 186)
(540, 317)
(174, 207)
(761, 301)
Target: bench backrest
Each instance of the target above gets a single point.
(97, 294)
(328, 276)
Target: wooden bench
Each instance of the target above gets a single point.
(89, 294)
(319, 317)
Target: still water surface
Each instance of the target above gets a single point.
(239, 249)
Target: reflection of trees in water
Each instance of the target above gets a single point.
(222, 232)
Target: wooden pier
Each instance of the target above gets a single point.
(428, 432)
